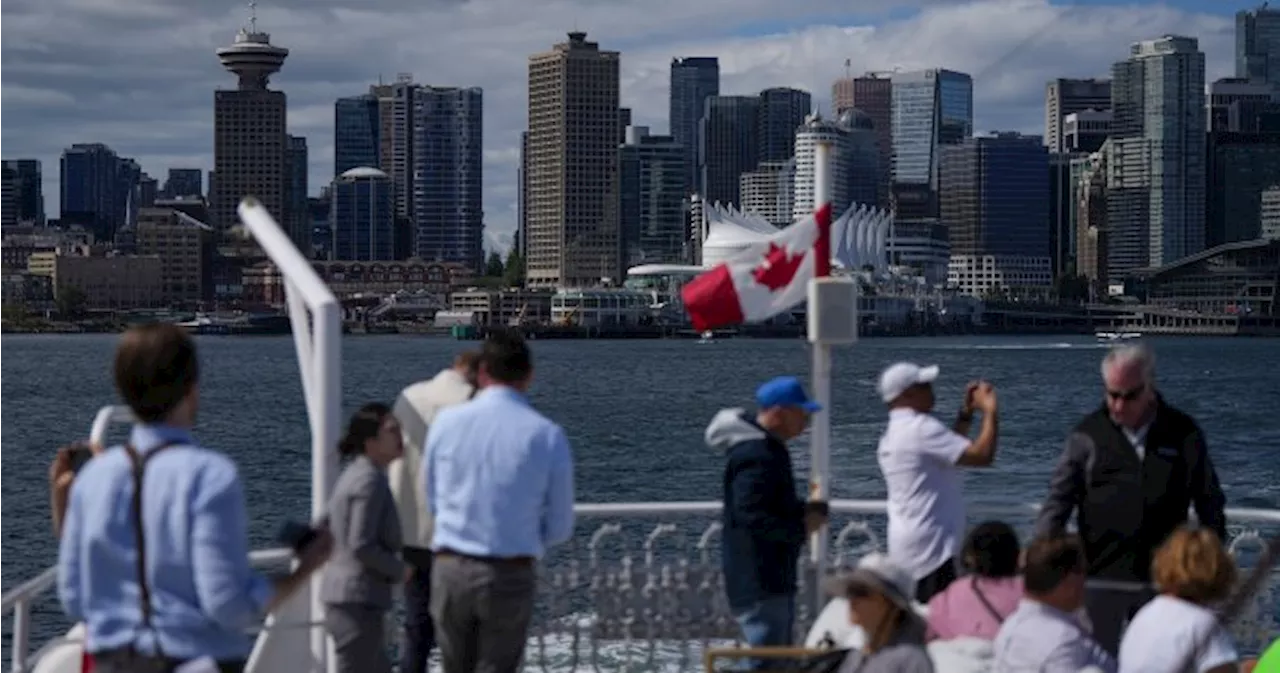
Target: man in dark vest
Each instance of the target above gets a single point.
(1131, 470)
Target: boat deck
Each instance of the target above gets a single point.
(639, 588)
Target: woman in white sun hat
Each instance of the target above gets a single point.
(879, 595)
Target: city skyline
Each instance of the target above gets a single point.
(158, 110)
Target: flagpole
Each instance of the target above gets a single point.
(820, 433)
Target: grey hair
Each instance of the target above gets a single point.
(1137, 354)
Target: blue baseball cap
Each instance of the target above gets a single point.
(785, 391)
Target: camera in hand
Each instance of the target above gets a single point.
(296, 535)
(79, 455)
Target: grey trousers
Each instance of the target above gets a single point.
(481, 610)
(359, 638)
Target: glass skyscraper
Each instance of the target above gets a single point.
(930, 108)
(363, 216)
(448, 159)
(355, 133)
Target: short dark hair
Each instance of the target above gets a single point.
(992, 549)
(505, 356)
(364, 425)
(155, 369)
(1050, 560)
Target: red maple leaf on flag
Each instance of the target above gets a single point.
(778, 268)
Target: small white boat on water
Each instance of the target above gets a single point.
(707, 337)
(1117, 336)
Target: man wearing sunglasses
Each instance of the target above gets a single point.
(1130, 470)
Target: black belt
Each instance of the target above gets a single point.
(523, 561)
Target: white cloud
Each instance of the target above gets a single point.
(139, 74)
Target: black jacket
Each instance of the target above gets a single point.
(763, 519)
(1128, 507)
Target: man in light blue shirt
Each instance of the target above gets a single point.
(499, 482)
(1044, 635)
(188, 592)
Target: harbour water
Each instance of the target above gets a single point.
(634, 410)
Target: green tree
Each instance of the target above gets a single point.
(514, 270)
(69, 301)
(493, 268)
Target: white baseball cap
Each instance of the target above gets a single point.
(897, 378)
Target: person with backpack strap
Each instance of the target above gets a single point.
(154, 553)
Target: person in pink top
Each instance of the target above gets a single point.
(976, 605)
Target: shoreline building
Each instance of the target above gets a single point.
(571, 204)
(250, 139)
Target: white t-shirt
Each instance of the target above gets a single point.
(918, 457)
(1161, 636)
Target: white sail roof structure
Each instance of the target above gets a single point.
(729, 232)
(858, 237)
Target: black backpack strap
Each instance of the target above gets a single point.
(973, 582)
(139, 536)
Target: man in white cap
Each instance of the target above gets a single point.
(919, 457)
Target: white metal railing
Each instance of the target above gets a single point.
(318, 344)
(641, 585)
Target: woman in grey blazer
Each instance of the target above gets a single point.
(365, 564)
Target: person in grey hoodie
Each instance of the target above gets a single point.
(765, 523)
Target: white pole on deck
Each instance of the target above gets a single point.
(820, 434)
(832, 314)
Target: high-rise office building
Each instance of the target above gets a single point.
(1258, 45)
(395, 138)
(1066, 96)
(651, 197)
(26, 182)
(995, 204)
(356, 137)
(854, 160)
(572, 204)
(1156, 161)
(782, 112)
(729, 137)
(769, 191)
(1240, 167)
(299, 223)
(362, 216)
(930, 108)
(1084, 131)
(184, 182)
(522, 194)
(871, 94)
(693, 81)
(250, 141)
(1237, 105)
(91, 194)
(448, 169)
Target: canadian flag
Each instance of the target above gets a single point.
(766, 279)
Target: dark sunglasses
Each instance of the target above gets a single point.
(1127, 395)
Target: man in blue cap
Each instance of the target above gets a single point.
(765, 523)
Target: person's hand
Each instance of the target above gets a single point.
(61, 470)
(316, 552)
(969, 391)
(409, 572)
(984, 397)
(814, 520)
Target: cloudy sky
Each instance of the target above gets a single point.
(139, 75)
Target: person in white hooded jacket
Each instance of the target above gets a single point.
(415, 409)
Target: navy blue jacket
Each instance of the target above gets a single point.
(763, 518)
